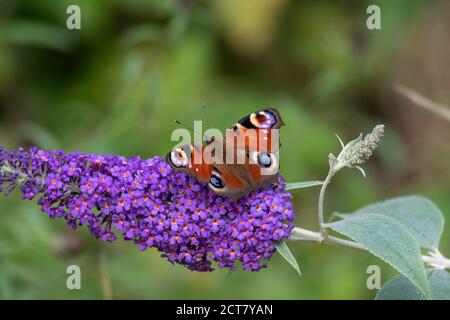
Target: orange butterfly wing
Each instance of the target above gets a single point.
(251, 140)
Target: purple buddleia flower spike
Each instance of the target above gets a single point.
(152, 205)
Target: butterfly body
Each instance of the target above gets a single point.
(244, 159)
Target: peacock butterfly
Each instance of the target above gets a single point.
(244, 159)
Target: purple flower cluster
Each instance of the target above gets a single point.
(152, 205)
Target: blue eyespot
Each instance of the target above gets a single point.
(216, 182)
(264, 160)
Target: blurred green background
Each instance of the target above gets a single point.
(117, 85)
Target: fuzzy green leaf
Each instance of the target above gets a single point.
(387, 239)
(400, 288)
(419, 215)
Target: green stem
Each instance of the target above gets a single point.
(301, 234)
(105, 278)
(323, 231)
(434, 260)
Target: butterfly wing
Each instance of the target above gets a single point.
(237, 180)
(268, 118)
(257, 131)
(255, 164)
(258, 162)
(190, 159)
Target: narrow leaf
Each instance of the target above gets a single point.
(303, 184)
(340, 140)
(361, 170)
(387, 239)
(283, 249)
(352, 143)
(333, 161)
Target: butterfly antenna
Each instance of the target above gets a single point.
(185, 126)
(191, 129)
(205, 114)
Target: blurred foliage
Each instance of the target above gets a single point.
(118, 84)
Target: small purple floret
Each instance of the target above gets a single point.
(151, 205)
